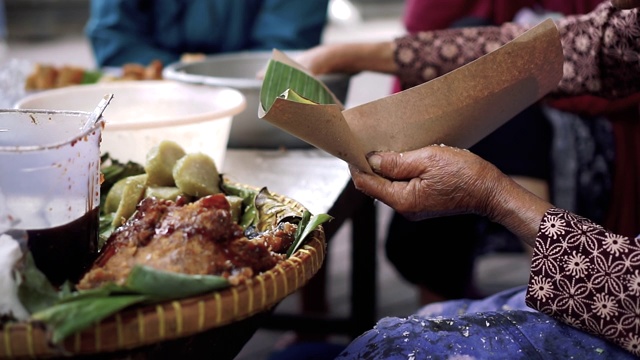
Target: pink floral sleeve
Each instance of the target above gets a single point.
(587, 277)
(601, 50)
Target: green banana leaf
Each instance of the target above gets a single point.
(168, 285)
(280, 78)
(79, 310)
(307, 225)
(272, 211)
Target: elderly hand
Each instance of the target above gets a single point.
(440, 180)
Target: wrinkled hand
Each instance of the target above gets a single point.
(439, 181)
(432, 181)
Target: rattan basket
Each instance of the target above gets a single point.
(141, 326)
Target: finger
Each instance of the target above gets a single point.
(399, 166)
(370, 184)
(392, 193)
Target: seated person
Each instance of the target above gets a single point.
(582, 298)
(418, 58)
(141, 31)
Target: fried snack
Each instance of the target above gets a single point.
(69, 75)
(133, 71)
(43, 77)
(46, 77)
(198, 238)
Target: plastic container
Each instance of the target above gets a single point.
(238, 71)
(143, 113)
(50, 179)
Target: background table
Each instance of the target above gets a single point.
(322, 184)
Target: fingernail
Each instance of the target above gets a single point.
(374, 161)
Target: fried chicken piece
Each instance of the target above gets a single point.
(195, 238)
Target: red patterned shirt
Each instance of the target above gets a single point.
(601, 51)
(587, 277)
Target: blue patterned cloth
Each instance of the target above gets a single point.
(498, 327)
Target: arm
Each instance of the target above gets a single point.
(587, 277)
(286, 25)
(600, 48)
(581, 274)
(601, 53)
(120, 32)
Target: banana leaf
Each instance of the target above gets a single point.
(306, 226)
(272, 211)
(165, 285)
(78, 310)
(70, 317)
(281, 78)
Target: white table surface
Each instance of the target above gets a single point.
(312, 177)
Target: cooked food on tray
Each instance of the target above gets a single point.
(191, 238)
(47, 76)
(170, 228)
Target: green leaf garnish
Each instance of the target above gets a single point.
(306, 226)
(91, 77)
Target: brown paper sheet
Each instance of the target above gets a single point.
(457, 109)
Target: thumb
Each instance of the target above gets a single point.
(398, 166)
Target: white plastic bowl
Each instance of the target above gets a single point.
(238, 71)
(143, 113)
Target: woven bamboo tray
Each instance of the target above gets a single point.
(140, 326)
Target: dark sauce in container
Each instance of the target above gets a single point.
(66, 252)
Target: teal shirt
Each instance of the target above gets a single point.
(139, 31)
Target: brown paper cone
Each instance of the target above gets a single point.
(462, 107)
(457, 109)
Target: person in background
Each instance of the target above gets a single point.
(142, 31)
(582, 299)
(522, 148)
(598, 186)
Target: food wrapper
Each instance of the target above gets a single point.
(457, 109)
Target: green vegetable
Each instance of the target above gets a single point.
(235, 207)
(249, 213)
(91, 77)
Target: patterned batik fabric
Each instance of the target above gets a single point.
(498, 327)
(601, 51)
(587, 277)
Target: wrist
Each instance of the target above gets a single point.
(517, 209)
